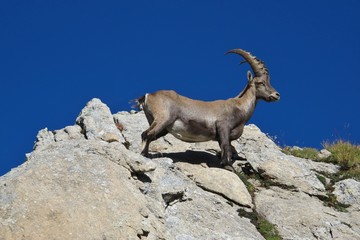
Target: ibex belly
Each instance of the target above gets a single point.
(190, 132)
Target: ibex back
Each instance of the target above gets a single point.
(198, 121)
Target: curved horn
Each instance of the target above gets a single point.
(256, 64)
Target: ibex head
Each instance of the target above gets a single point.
(261, 78)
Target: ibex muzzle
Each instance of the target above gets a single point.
(198, 121)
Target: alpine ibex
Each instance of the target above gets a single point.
(198, 121)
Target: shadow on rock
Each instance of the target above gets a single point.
(193, 157)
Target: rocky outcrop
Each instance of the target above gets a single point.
(88, 181)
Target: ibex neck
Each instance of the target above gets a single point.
(246, 102)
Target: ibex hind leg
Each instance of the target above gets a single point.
(155, 131)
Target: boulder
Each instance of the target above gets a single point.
(97, 122)
(348, 192)
(219, 181)
(324, 153)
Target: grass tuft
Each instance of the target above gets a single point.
(308, 153)
(266, 229)
(345, 154)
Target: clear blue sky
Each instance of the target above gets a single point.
(57, 55)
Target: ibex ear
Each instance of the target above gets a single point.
(249, 76)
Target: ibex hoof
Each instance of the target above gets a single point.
(225, 163)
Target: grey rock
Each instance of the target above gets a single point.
(324, 153)
(71, 191)
(190, 212)
(132, 125)
(264, 156)
(69, 133)
(98, 123)
(268, 159)
(88, 181)
(292, 174)
(219, 181)
(320, 167)
(256, 147)
(44, 137)
(198, 219)
(77, 187)
(71, 186)
(348, 192)
(300, 216)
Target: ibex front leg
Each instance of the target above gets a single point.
(223, 133)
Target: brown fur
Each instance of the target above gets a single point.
(197, 121)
